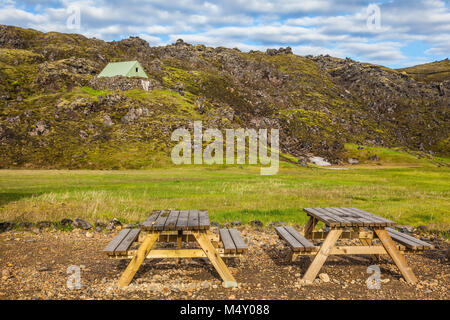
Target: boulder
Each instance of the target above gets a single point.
(25, 225)
(353, 161)
(81, 224)
(256, 223)
(113, 224)
(44, 224)
(6, 226)
(66, 222)
(319, 161)
(107, 122)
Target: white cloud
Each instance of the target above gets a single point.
(332, 27)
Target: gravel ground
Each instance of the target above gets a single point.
(34, 266)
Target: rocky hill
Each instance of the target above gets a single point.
(437, 71)
(54, 113)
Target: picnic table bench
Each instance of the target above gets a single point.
(350, 223)
(172, 226)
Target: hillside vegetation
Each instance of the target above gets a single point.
(55, 114)
(430, 72)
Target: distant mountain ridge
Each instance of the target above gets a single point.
(54, 113)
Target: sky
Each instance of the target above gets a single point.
(394, 33)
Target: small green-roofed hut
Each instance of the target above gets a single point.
(126, 69)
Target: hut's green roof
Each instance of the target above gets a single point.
(126, 69)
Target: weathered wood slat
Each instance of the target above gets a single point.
(126, 243)
(373, 215)
(161, 221)
(408, 241)
(193, 219)
(343, 221)
(148, 224)
(203, 220)
(353, 218)
(308, 245)
(238, 241)
(114, 243)
(371, 219)
(171, 221)
(330, 218)
(360, 219)
(182, 222)
(384, 221)
(330, 221)
(286, 236)
(227, 240)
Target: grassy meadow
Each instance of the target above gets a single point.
(406, 194)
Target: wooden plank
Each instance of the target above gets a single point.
(161, 221)
(137, 260)
(176, 253)
(409, 241)
(317, 235)
(148, 224)
(321, 256)
(398, 258)
(374, 215)
(286, 236)
(370, 220)
(343, 221)
(182, 222)
(354, 218)
(308, 245)
(203, 219)
(411, 244)
(332, 220)
(126, 243)
(193, 220)
(228, 243)
(115, 242)
(380, 220)
(216, 260)
(171, 221)
(329, 221)
(238, 241)
(364, 221)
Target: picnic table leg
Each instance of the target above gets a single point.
(321, 256)
(137, 260)
(398, 258)
(216, 260)
(309, 227)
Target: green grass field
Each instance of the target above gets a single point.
(408, 195)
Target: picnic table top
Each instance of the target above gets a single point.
(348, 217)
(170, 220)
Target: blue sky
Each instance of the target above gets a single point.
(394, 33)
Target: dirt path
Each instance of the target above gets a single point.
(34, 266)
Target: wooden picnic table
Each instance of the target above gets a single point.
(350, 223)
(177, 226)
